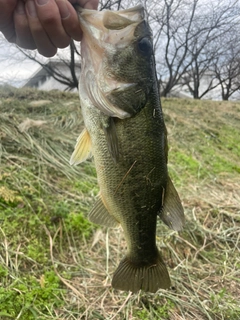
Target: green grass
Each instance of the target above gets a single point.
(28, 297)
(55, 264)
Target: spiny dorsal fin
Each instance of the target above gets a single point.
(172, 213)
(100, 215)
(82, 149)
(131, 276)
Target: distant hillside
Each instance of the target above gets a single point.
(204, 137)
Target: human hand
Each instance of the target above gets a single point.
(45, 25)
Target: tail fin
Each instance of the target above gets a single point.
(150, 278)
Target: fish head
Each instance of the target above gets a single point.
(118, 66)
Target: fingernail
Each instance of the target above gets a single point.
(42, 2)
(63, 9)
(20, 9)
(31, 9)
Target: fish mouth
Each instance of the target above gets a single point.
(105, 32)
(108, 28)
(92, 20)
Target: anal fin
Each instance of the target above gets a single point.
(100, 215)
(82, 149)
(172, 213)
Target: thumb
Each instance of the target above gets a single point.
(6, 18)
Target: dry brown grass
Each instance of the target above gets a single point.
(203, 262)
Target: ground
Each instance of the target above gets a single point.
(55, 264)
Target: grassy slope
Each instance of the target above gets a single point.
(54, 264)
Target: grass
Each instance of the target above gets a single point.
(55, 264)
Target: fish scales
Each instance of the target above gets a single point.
(126, 134)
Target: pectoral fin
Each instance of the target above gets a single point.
(82, 149)
(100, 215)
(109, 129)
(172, 213)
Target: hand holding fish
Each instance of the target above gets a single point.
(45, 25)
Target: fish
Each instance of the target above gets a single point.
(126, 134)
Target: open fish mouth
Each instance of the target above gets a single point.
(108, 30)
(98, 23)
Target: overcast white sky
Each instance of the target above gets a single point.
(15, 69)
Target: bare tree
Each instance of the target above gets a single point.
(187, 31)
(173, 42)
(110, 4)
(227, 68)
(11, 62)
(198, 76)
(71, 60)
(210, 29)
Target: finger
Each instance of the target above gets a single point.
(24, 37)
(87, 4)
(40, 37)
(70, 22)
(51, 21)
(6, 19)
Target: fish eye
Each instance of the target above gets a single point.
(145, 46)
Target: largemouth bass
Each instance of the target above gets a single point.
(126, 134)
